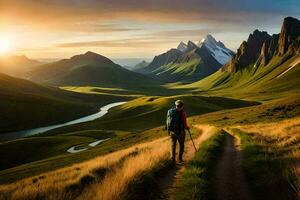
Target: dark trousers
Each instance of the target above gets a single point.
(180, 137)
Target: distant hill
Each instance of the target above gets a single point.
(18, 66)
(24, 104)
(140, 65)
(87, 69)
(264, 64)
(160, 60)
(189, 62)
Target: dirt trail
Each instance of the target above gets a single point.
(229, 180)
(169, 182)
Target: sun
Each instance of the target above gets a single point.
(5, 45)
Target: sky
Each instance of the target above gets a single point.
(53, 29)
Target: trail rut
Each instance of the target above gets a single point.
(169, 183)
(229, 180)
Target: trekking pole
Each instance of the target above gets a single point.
(192, 141)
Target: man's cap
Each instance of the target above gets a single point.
(179, 103)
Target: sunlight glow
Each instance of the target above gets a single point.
(5, 45)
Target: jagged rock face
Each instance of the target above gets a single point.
(248, 52)
(269, 49)
(182, 47)
(290, 31)
(190, 46)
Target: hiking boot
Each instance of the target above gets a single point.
(181, 160)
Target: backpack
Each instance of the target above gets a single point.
(174, 123)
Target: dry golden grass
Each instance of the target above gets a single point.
(105, 177)
(282, 139)
(114, 185)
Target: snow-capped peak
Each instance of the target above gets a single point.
(217, 49)
(209, 40)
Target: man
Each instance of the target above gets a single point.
(176, 126)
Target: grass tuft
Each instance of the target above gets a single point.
(196, 179)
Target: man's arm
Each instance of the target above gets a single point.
(183, 119)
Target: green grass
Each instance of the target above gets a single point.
(196, 180)
(130, 123)
(135, 91)
(187, 71)
(47, 157)
(25, 105)
(265, 169)
(271, 111)
(148, 112)
(252, 83)
(27, 150)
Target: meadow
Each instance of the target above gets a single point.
(104, 177)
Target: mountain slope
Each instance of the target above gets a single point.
(24, 104)
(262, 67)
(189, 62)
(191, 66)
(87, 69)
(18, 66)
(160, 60)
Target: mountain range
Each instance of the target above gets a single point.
(263, 64)
(209, 59)
(87, 69)
(189, 62)
(260, 47)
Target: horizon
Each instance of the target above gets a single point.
(130, 29)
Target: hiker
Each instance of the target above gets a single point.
(176, 126)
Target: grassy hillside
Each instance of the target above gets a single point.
(269, 145)
(268, 149)
(148, 112)
(130, 123)
(102, 176)
(56, 156)
(73, 181)
(272, 111)
(24, 104)
(278, 79)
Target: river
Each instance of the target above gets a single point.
(29, 132)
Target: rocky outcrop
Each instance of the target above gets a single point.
(248, 52)
(290, 31)
(268, 49)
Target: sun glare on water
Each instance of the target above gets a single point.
(5, 45)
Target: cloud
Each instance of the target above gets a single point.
(126, 43)
(65, 24)
(96, 27)
(61, 12)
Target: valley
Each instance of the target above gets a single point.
(243, 109)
